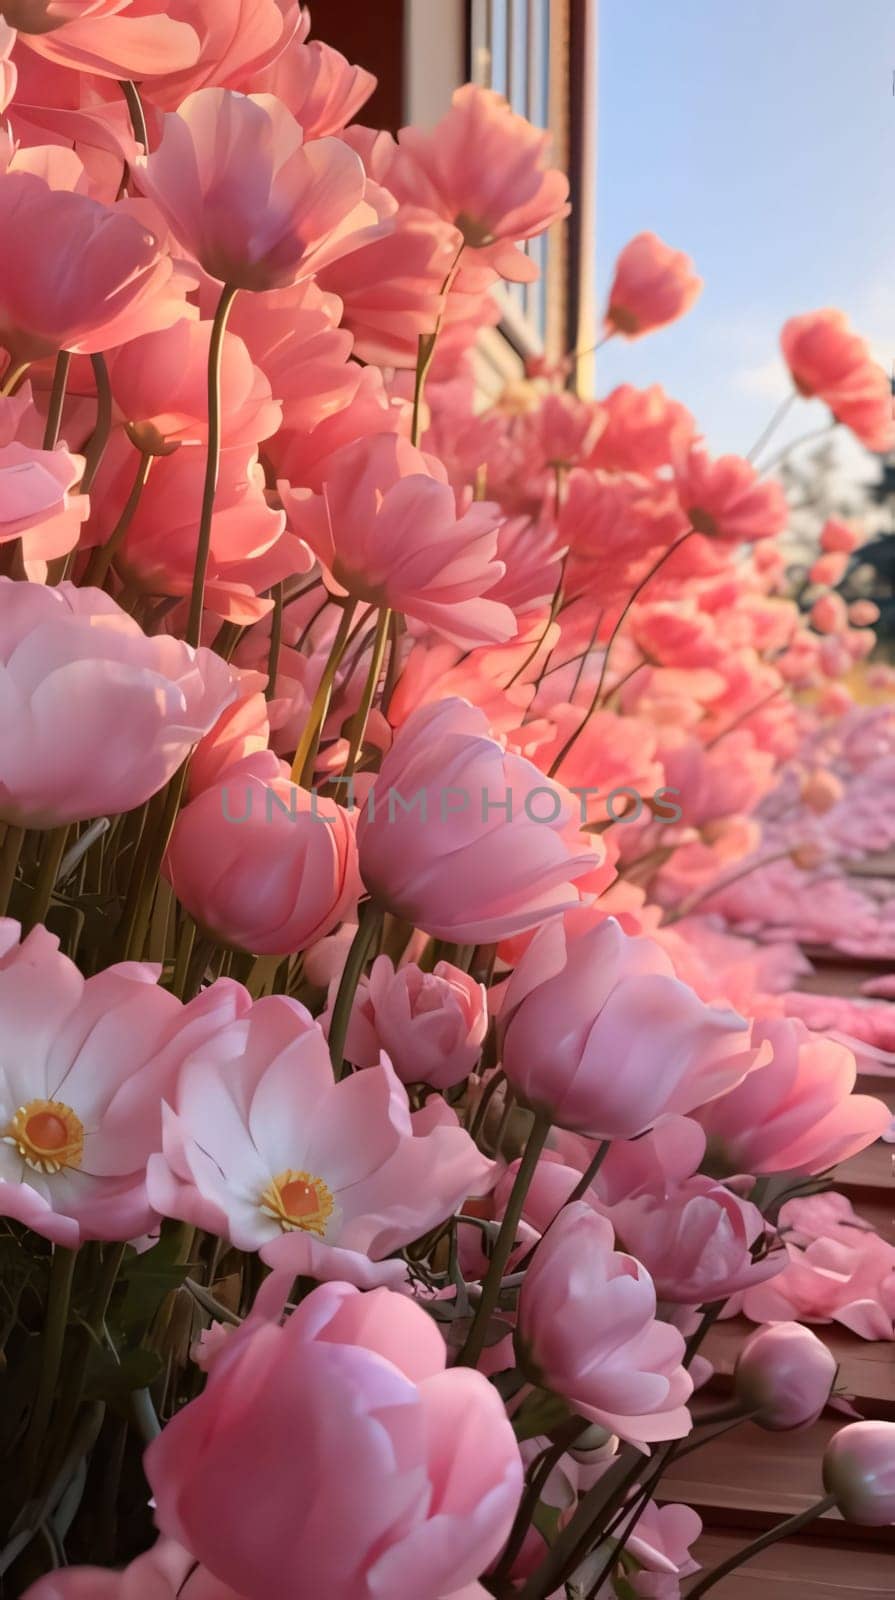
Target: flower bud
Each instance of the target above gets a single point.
(785, 1375)
(859, 1469)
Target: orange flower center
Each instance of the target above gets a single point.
(47, 1134)
(298, 1200)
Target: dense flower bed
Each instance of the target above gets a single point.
(412, 817)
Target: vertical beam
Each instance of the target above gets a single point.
(581, 306)
(435, 56)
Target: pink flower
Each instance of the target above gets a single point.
(797, 1113)
(859, 1469)
(95, 717)
(237, 40)
(86, 1065)
(160, 390)
(829, 568)
(322, 90)
(261, 864)
(242, 730)
(431, 1025)
(450, 840)
(644, 428)
(426, 1457)
(260, 1143)
(36, 502)
(829, 614)
(653, 285)
(256, 207)
(387, 530)
(111, 283)
(94, 36)
(600, 1035)
(838, 536)
(587, 1329)
(483, 168)
(785, 1375)
(166, 1572)
(726, 499)
(863, 613)
(696, 1242)
(831, 363)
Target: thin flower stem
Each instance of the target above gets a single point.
(768, 432)
(57, 400)
(62, 1271)
(426, 350)
(369, 693)
(102, 557)
(475, 1341)
(49, 863)
(369, 922)
(306, 752)
(135, 107)
(563, 1440)
(804, 438)
(598, 692)
(13, 376)
(783, 1530)
(276, 639)
(96, 444)
(11, 849)
(212, 460)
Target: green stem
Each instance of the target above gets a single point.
(135, 107)
(598, 692)
(783, 1530)
(11, 849)
(276, 639)
(13, 376)
(57, 400)
(366, 705)
(96, 444)
(573, 1542)
(212, 461)
(102, 557)
(49, 862)
(306, 753)
(475, 1341)
(62, 1271)
(369, 922)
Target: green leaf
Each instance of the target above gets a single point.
(112, 1378)
(144, 1282)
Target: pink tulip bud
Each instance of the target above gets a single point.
(785, 1375)
(859, 1469)
(653, 285)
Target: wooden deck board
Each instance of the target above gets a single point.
(797, 1569)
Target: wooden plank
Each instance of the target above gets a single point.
(866, 1367)
(796, 1569)
(873, 1168)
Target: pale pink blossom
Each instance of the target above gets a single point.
(431, 1025)
(652, 286)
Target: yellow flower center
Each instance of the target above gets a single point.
(47, 1134)
(298, 1200)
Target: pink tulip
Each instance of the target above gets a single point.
(837, 536)
(111, 283)
(653, 285)
(831, 363)
(696, 1242)
(829, 568)
(431, 1025)
(262, 1147)
(261, 864)
(859, 1469)
(599, 1035)
(387, 530)
(450, 841)
(36, 500)
(237, 40)
(644, 430)
(483, 168)
(166, 1572)
(104, 36)
(322, 90)
(784, 1375)
(242, 730)
(256, 207)
(425, 1457)
(726, 499)
(87, 1064)
(160, 390)
(797, 1113)
(95, 716)
(587, 1329)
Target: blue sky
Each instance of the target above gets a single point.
(759, 136)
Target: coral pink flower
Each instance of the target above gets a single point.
(829, 568)
(261, 1143)
(795, 1114)
(431, 1025)
(697, 1242)
(322, 90)
(653, 285)
(166, 1572)
(829, 614)
(831, 363)
(839, 1270)
(859, 1469)
(160, 390)
(237, 39)
(456, 837)
(785, 1375)
(111, 282)
(8, 70)
(36, 502)
(261, 864)
(86, 1065)
(104, 36)
(256, 207)
(95, 717)
(644, 430)
(482, 167)
(587, 1329)
(425, 1456)
(863, 613)
(601, 1036)
(727, 500)
(387, 530)
(838, 536)
(241, 730)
